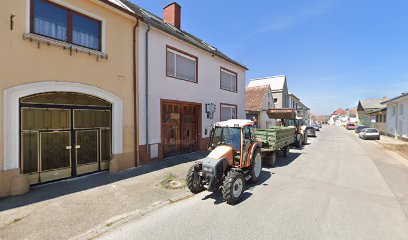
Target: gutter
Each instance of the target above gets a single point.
(135, 96)
(147, 88)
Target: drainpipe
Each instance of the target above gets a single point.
(147, 89)
(135, 96)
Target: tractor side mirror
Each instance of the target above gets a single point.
(211, 139)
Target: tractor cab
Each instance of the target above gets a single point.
(232, 139)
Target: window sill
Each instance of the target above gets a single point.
(229, 90)
(66, 46)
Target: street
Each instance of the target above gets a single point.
(337, 187)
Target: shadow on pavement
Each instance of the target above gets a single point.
(282, 161)
(217, 195)
(57, 189)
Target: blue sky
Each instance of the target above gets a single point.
(334, 52)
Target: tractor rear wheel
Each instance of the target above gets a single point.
(233, 187)
(286, 151)
(256, 166)
(270, 159)
(192, 178)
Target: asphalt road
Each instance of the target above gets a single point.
(337, 187)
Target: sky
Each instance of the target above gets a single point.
(333, 52)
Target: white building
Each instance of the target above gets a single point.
(279, 89)
(258, 101)
(190, 86)
(397, 116)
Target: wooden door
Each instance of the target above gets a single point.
(170, 127)
(189, 129)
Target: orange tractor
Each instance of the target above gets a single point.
(234, 159)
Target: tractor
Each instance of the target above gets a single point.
(235, 158)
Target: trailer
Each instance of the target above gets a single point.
(275, 139)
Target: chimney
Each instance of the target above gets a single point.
(172, 14)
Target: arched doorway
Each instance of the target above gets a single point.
(64, 134)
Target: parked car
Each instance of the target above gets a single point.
(369, 133)
(358, 129)
(319, 125)
(316, 128)
(350, 126)
(311, 132)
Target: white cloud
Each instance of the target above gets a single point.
(301, 14)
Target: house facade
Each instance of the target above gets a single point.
(258, 101)
(186, 85)
(67, 87)
(365, 107)
(397, 117)
(279, 89)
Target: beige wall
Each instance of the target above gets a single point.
(22, 61)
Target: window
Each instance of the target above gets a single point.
(181, 65)
(401, 109)
(228, 112)
(228, 80)
(57, 22)
(393, 111)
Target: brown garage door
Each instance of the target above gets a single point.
(179, 126)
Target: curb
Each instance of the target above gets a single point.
(396, 155)
(123, 219)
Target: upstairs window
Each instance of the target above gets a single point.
(54, 21)
(401, 109)
(181, 65)
(228, 80)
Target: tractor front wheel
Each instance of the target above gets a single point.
(192, 178)
(233, 187)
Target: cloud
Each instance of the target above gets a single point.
(301, 14)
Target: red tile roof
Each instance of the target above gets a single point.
(255, 97)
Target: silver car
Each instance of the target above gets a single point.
(369, 133)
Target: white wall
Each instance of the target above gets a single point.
(397, 123)
(207, 90)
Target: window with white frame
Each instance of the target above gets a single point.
(228, 112)
(228, 80)
(393, 111)
(401, 109)
(181, 65)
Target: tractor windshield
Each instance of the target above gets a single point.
(228, 136)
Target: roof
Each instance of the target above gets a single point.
(339, 111)
(120, 4)
(234, 123)
(294, 96)
(372, 103)
(353, 112)
(303, 106)
(276, 83)
(396, 98)
(255, 97)
(168, 28)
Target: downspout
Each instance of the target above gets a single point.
(135, 96)
(147, 89)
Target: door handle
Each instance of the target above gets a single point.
(78, 146)
(68, 147)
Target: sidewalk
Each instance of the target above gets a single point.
(395, 145)
(71, 208)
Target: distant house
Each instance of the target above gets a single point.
(258, 101)
(352, 115)
(279, 89)
(366, 106)
(397, 117)
(337, 116)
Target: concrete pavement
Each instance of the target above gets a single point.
(338, 187)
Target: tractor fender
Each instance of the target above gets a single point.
(251, 151)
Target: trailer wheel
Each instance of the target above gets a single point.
(305, 139)
(256, 166)
(299, 141)
(192, 178)
(286, 151)
(270, 159)
(233, 187)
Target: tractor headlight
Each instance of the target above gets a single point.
(207, 169)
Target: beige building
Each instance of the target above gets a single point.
(68, 86)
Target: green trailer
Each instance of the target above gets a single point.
(275, 139)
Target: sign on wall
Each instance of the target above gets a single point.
(210, 110)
